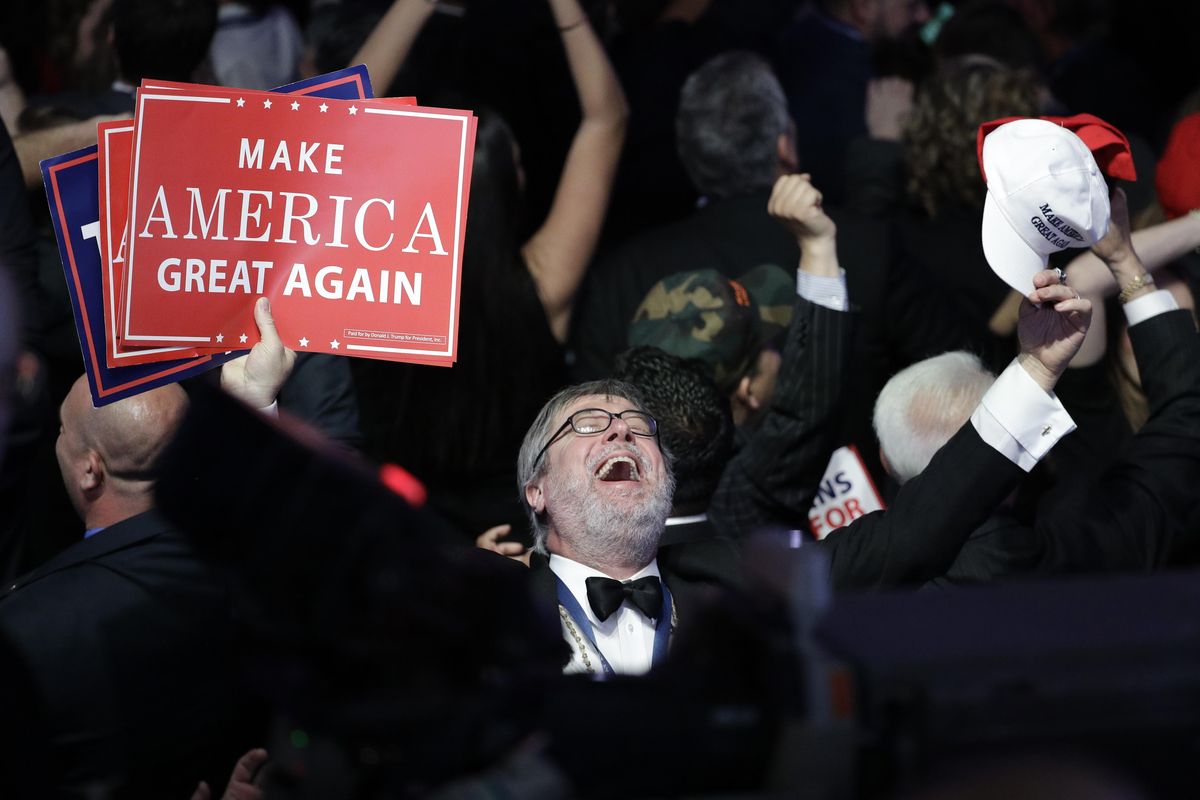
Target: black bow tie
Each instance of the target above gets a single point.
(605, 595)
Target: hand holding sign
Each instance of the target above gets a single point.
(89, 209)
(255, 379)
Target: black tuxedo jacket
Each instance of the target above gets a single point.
(127, 639)
(691, 574)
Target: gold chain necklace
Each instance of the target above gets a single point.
(583, 651)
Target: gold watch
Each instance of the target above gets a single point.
(1135, 286)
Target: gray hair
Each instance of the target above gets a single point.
(731, 113)
(530, 469)
(924, 405)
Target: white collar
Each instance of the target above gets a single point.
(574, 576)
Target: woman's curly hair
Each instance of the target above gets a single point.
(939, 140)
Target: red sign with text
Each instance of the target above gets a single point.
(845, 493)
(114, 140)
(349, 215)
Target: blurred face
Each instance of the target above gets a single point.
(892, 18)
(766, 373)
(752, 396)
(606, 495)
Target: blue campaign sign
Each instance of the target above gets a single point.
(73, 189)
(351, 83)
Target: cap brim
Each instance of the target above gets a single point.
(1013, 261)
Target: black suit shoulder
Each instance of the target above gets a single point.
(129, 639)
(918, 538)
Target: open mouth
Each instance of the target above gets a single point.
(618, 468)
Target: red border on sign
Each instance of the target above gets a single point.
(87, 329)
(378, 108)
(110, 298)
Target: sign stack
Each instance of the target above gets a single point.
(347, 212)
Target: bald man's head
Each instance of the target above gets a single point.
(109, 455)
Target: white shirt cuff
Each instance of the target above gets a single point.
(1019, 419)
(1149, 305)
(271, 410)
(823, 290)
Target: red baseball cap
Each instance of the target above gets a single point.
(1109, 146)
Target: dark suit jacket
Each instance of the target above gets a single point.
(1129, 517)
(772, 480)
(128, 638)
(696, 554)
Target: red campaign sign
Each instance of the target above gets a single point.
(115, 144)
(845, 493)
(114, 140)
(348, 215)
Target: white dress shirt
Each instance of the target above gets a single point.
(626, 638)
(1149, 305)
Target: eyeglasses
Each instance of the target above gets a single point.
(591, 421)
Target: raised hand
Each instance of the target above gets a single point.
(255, 379)
(1051, 326)
(796, 203)
(1117, 245)
(244, 782)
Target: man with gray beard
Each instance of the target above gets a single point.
(598, 488)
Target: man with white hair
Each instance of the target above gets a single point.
(923, 405)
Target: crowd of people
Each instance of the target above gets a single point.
(709, 243)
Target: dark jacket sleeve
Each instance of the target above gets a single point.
(918, 538)
(1147, 497)
(772, 480)
(321, 392)
(1102, 433)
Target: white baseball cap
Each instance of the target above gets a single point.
(1045, 194)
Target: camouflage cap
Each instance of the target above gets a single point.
(703, 314)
